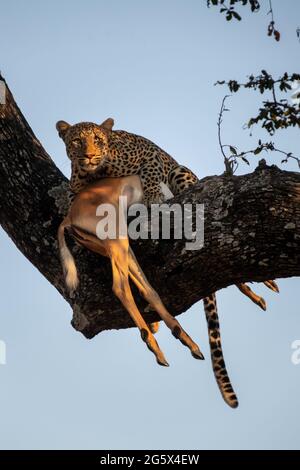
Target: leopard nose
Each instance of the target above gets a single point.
(89, 155)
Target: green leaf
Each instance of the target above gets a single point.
(236, 15)
(233, 86)
(232, 150)
(245, 160)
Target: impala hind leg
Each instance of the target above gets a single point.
(154, 327)
(272, 285)
(121, 288)
(147, 291)
(260, 301)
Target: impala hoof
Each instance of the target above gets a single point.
(163, 363)
(262, 304)
(198, 355)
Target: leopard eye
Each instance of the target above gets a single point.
(76, 142)
(98, 140)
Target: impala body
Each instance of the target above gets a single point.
(83, 220)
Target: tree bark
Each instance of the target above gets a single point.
(252, 232)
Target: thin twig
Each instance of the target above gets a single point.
(227, 163)
(271, 10)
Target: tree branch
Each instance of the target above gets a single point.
(252, 232)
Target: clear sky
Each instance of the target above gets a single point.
(150, 65)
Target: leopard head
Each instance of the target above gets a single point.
(86, 143)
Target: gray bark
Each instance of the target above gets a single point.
(252, 232)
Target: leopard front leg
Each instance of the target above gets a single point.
(79, 179)
(151, 175)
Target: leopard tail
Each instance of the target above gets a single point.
(218, 363)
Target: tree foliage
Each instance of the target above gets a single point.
(276, 111)
(228, 8)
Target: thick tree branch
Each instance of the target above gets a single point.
(252, 232)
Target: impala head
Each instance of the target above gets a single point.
(86, 143)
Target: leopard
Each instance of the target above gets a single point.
(97, 151)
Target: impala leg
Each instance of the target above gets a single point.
(154, 327)
(272, 285)
(254, 297)
(121, 288)
(147, 291)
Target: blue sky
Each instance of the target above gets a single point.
(151, 66)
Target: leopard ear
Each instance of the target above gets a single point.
(108, 124)
(62, 127)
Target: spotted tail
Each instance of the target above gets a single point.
(221, 375)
